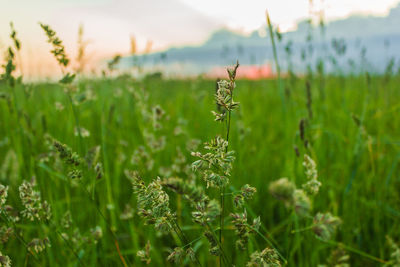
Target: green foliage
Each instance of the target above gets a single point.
(10, 66)
(340, 197)
(260, 157)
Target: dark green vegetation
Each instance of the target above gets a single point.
(352, 128)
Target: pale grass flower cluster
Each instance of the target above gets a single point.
(179, 254)
(286, 191)
(266, 258)
(312, 186)
(3, 195)
(34, 207)
(394, 253)
(215, 165)
(324, 224)
(144, 254)
(338, 258)
(5, 261)
(246, 193)
(243, 229)
(5, 233)
(153, 203)
(38, 245)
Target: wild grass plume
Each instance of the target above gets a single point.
(119, 170)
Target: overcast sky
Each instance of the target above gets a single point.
(109, 23)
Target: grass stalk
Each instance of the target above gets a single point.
(354, 250)
(277, 66)
(183, 238)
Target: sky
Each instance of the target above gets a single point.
(109, 24)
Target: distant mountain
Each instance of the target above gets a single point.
(354, 43)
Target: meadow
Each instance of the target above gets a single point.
(79, 162)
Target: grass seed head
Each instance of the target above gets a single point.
(216, 165)
(243, 229)
(66, 220)
(34, 207)
(246, 193)
(3, 195)
(176, 255)
(214, 248)
(58, 47)
(153, 203)
(339, 258)
(266, 258)
(5, 233)
(127, 214)
(5, 261)
(301, 202)
(144, 254)
(283, 190)
(324, 225)
(313, 185)
(395, 253)
(38, 245)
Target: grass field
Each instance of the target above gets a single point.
(352, 135)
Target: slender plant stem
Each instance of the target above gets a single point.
(183, 238)
(268, 241)
(78, 128)
(354, 250)
(225, 258)
(222, 189)
(91, 198)
(68, 245)
(120, 255)
(221, 218)
(20, 238)
(191, 242)
(303, 229)
(108, 226)
(278, 69)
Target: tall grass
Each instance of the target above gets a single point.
(70, 152)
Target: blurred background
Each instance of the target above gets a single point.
(192, 37)
(335, 99)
